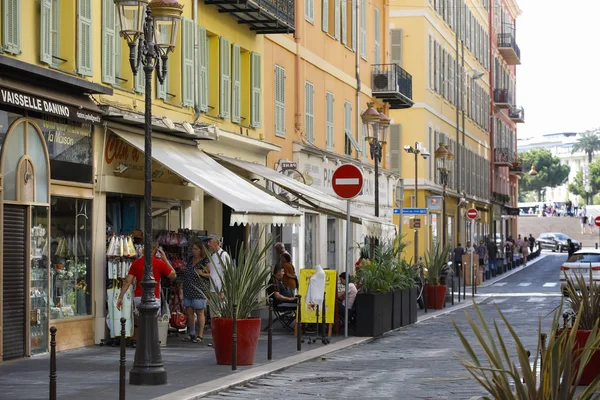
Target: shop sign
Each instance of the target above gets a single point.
(434, 203)
(50, 107)
(119, 151)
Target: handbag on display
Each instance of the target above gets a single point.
(183, 242)
(178, 320)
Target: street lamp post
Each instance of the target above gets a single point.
(442, 154)
(377, 124)
(150, 41)
(417, 150)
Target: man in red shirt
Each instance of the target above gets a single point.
(160, 267)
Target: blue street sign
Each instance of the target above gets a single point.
(396, 211)
(414, 211)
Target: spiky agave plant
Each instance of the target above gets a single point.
(507, 376)
(583, 297)
(435, 262)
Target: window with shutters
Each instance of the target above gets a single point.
(162, 89)
(309, 10)
(111, 43)
(309, 112)
(396, 46)
(225, 77)
(279, 101)
(377, 39)
(203, 63)
(84, 37)
(395, 148)
(329, 128)
(236, 84)
(187, 62)
(430, 66)
(353, 24)
(336, 18)
(363, 140)
(331, 17)
(349, 140)
(50, 32)
(344, 22)
(11, 26)
(363, 29)
(256, 90)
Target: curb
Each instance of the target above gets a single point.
(241, 377)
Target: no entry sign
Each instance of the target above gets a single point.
(597, 221)
(347, 181)
(472, 213)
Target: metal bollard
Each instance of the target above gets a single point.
(53, 363)
(459, 269)
(596, 245)
(122, 361)
(270, 331)
(299, 322)
(234, 340)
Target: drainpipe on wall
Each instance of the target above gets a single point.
(357, 63)
(298, 79)
(196, 57)
(492, 127)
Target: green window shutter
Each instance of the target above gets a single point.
(203, 78)
(329, 128)
(396, 51)
(236, 85)
(187, 62)
(353, 25)
(118, 51)
(140, 81)
(84, 37)
(309, 112)
(336, 18)
(395, 148)
(256, 100)
(11, 26)
(161, 89)
(225, 81)
(109, 42)
(344, 23)
(377, 37)
(309, 10)
(325, 16)
(279, 101)
(46, 31)
(363, 29)
(363, 140)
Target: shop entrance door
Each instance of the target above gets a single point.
(14, 286)
(331, 243)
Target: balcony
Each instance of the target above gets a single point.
(393, 85)
(502, 98)
(263, 16)
(517, 114)
(507, 46)
(503, 157)
(516, 169)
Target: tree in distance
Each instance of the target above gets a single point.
(550, 171)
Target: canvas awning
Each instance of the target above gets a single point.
(314, 198)
(249, 204)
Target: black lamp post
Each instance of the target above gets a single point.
(418, 149)
(442, 154)
(150, 39)
(377, 124)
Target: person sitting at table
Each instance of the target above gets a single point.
(282, 295)
(341, 295)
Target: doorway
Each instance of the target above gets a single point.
(331, 243)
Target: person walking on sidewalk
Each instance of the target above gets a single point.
(571, 248)
(196, 283)
(531, 243)
(492, 256)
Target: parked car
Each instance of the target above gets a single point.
(556, 242)
(580, 263)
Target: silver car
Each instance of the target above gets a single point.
(581, 263)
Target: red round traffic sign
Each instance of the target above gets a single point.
(597, 221)
(472, 213)
(347, 181)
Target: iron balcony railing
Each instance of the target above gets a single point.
(507, 40)
(517, 113)
(503, 155)
(503, 96)
(283, 10)
(391, 78)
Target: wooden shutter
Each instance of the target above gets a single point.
(108, 42)
(225, 81)
(236, 85)
(309, 112)
(203, 65)
(256, 101)
(377, 40)
(11, 26)
(309, 10)
(325, 16)
(363, 28)
(84, 37)
(279, 101)
(46, 31)
(353, 5)
(395, 148)
(396, 44)
(187, 62)
(329, 127)
(344, 22)
(336, 18)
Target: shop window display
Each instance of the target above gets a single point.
(71, 231)
(38, 319)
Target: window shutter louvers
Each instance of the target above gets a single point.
(377, 37)
(187, 62)
(279, 101)
(309, 112)
(336, 18)
(325, 16)
(203, 66)
(344, 13)
(363, 28)
(395, 148)
(353, 5)
(256, 101)
(109, 42)
(46, 31)
(396, 51)
(11, 26)
(236, 85)
(84, 37)
(225, 81)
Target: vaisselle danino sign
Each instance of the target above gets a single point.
(34, 103)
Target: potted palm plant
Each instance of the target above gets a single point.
(374, 301)
(243, 281)
(583, 299)
(435, 267)
(550, 376)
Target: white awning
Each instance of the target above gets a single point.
(250, 204)
(314, 198)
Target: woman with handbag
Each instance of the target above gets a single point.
(196, 282)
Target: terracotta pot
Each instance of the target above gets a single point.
(592, 369)
(436, 296)
(248, 331)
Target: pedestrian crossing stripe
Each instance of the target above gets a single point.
(498, 301)
(536, 300)
(525, 284)
(550, 284)
(499, 284)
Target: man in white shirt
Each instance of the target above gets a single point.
(352, 291)
(218, 258)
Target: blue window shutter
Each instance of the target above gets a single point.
(225, 81)
(46, 31)
(187, 62)
(256, 83)
(203, 64)
(109, 42)
(11, 26)
(84, 37)
(236, 85)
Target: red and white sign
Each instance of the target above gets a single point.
(347, 181)
(472, 213)
(597, 221)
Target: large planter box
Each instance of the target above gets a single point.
(396, 308)
(373, 313)
(405, 314)
(412, 304)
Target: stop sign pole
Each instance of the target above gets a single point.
(347, 183)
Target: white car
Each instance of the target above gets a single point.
(581, 263)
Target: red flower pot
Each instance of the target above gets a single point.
(436, 296)
(592, 369)
(248, 331)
